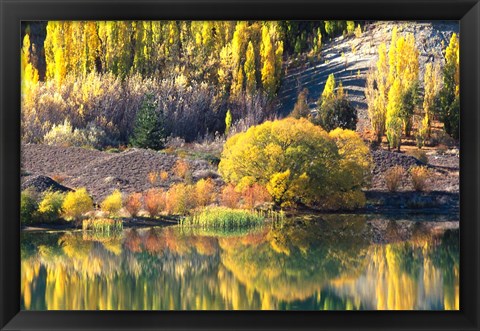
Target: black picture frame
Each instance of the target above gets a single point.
(14, 11)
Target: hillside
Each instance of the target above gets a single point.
(350, 58)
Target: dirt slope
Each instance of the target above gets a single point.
(102, 172)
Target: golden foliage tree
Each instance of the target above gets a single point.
(398, 63)
(450, 93)
(328, 91)
(29, 74)
(394, 121)
(268, 60)
(249, 67)
(293, 159)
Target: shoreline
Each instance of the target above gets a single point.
(390, 214)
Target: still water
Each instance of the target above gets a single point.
(327, 263)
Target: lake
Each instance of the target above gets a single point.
(329, 262)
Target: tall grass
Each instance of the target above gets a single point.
(224, 218)
(103, 226)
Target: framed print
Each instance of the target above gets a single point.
(239, 165)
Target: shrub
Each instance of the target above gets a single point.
(133, 204)
(337, 113)
(163, 176)
(59, 178)
(152, 177)
(295, 160)
(154, 201)
(350, 27)
(181, 169)
(76, 204)
(301, 108)
(228, 121)
(180, 199)
(254, 195)
(221, 217)
(358, 31)
(230, 197)
(419, 155)
(419, 176)
(393, 178)
(66, 135)
(50, 207)
(204, 192)
(112, 203)
(28, 206)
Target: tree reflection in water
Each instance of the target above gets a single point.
(310, 264)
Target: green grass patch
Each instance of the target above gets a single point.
(224, 218)
(103, 226)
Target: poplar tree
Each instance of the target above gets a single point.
(328, 91)
(449, 97)
(268, 60)
(394, 120)
(29, 74)
(249, 67)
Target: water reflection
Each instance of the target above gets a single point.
(320, 264)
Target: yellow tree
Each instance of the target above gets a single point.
(249, 67)
(92, 46)
(403, 61)
(394, 121)
(29, 74)
(237, 84)
(329, 90)
(376, 93)
(296, 161)
(238, 54)
(449, 94)
(268, 63)
(431, 83)
(54, 46)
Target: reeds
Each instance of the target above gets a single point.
(104, 226)
(224, 218)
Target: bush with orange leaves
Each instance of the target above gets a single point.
(230, 197)
(255, 195)
(154, 201)
(133, 204)
(181, 169)
(152, 177)
(204, 192)
(163, 176)
(180, 199)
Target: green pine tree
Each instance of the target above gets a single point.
(148, 131)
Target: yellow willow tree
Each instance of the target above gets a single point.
(298, 162)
